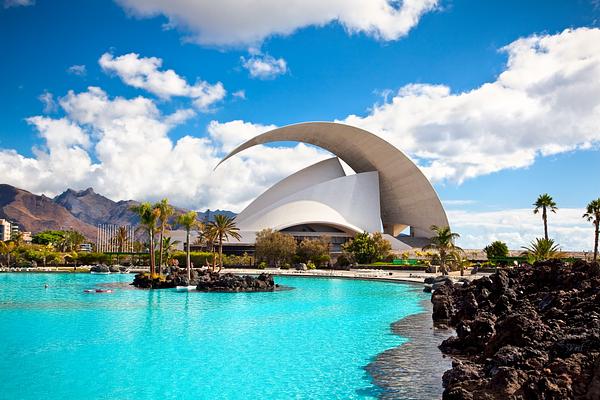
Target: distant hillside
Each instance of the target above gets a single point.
(95, 209)
(79, 210)
(37, 213)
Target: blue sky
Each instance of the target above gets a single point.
(443, 87)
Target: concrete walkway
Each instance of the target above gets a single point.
(369, 274)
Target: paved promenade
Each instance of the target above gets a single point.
(372, 274)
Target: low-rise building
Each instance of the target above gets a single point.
(5, 230)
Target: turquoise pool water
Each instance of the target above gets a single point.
(312, 342)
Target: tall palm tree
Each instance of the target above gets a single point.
(166, 212)
(121, 239)
(148, 216)
(592, 213)
(443, 243)
(222, 228)
(544, 202)
(188, 221)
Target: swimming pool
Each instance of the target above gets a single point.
(312, 342)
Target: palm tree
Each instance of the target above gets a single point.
(221, 228)
(166, 211)
(121, 238)
(592, 214)
(545, 202)
(443, 243)
(189, 222)
(168, 247)
(148, 216)
(6, 248)
(541, 250)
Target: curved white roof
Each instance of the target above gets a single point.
(406, 196)
(318, 194)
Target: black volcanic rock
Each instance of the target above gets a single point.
(206, 281)
(526, 333)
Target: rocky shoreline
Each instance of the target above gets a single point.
(527, 333)
(206, 281)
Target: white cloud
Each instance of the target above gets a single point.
(546, 101)
(47, 100)
(519, 227)
(136, 158)
(18, 3)
(231, 22)
(264, 66)
(79, 70)
(240, 94)
(144, 73)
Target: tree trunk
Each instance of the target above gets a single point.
(152, 255)
(545, 218)
(220, 253)
(187, 259)
(443, 262)
(160, 259)
(597, 223)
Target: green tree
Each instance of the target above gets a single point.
(6, 249)
(544, 203)
(314, 250)
(382, 246)
(70, 241)
(592, 214)
(188, 221)
(48, 237)
(274, 247)
(443, 243)
(121, 239)
(496, 249)
(166, 212)
(148, 216)
(222, 228)
(169, 246)
(541, 250)
(365, 248)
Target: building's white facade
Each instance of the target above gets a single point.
(5, 230)
(388, 191)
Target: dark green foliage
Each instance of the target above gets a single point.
(48, 237)
(365, 248)
(315, 251)
(496, 249)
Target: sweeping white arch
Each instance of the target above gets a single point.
(406, 196)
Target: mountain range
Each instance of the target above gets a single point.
(80, 210)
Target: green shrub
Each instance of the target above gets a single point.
(197, 258)
(262, 265)
(310, 265)
(92, 258)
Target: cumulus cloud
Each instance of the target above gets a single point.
(79, 70)
(264, 66)
(18, 3)
(135, 158)
(231, 22)
(144, 73)
(546, 101)
(519, 227)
